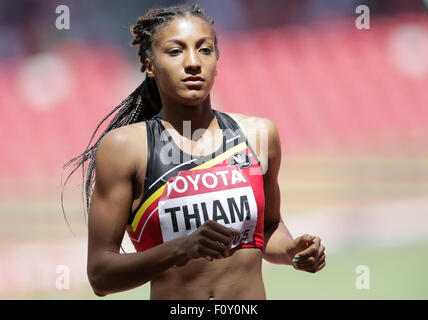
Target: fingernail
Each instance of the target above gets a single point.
(296, 256)
(309, 236)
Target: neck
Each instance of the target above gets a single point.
(200, 116)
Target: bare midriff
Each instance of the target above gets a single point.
(236, 277)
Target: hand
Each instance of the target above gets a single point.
(211, 240)
(308, 253)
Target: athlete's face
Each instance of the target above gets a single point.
(184, 47)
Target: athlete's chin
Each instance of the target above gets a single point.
(194, 97)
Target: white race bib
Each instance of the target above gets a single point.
(221, 194)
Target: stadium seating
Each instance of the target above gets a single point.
(329, 88)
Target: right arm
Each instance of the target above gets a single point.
(108, 270)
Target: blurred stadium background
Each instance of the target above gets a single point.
(351, 106)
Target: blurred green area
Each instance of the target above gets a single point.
(394, 273)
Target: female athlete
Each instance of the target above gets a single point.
(200, 205)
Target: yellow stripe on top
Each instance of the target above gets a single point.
(158, 192)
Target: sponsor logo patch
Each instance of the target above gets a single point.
(241, 159)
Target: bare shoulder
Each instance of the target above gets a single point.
(124, 138)
(121, 148)
(246, 122)
(263, 128)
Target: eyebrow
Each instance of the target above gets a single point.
(180, 42)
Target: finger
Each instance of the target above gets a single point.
(229, 248)
(312, 250)
(300, 242)
(311, 260)
(314, 267)
(320, 261)
(235, 237)
(308, 263)
(303, 242)
(309, 239)
(321, 266)
(305, 263)
(215, 245)
(228, 232)
(235, 233)
(207, 252)
(321, 250)
(213, 235)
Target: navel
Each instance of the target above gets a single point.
(211, 297)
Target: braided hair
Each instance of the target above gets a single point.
(143, 103)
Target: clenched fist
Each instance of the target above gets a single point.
(211, 241)
(307, 253)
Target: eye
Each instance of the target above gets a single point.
(174, 52)
(207, 50)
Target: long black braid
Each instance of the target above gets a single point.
(140, 105)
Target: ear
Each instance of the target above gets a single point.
(149, 68)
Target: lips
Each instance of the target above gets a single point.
(194, 81)
(194, 78)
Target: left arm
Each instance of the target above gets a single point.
(277, 237)
(305, 252)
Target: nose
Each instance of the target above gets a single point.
(191, 60)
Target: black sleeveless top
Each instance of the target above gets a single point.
(166, 161)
